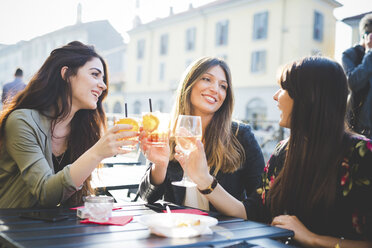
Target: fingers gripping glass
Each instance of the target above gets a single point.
(135, 123)
(156, 125)
(188, 132)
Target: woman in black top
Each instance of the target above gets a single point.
(232, 153)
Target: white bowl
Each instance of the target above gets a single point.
(178, 225)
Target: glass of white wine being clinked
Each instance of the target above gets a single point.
(188, 132)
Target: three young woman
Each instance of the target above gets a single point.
(317, 183)
(51, 134)
(232, 153)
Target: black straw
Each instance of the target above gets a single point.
(150, 104)
(126, 110)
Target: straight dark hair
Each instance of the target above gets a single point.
(50, 94)
(306, 186)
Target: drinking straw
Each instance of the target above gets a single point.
(126, 110)
(150, 104)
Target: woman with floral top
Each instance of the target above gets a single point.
(318, 182)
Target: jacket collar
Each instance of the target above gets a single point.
(42, 121)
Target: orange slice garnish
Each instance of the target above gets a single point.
(150, 122)
(134, 123)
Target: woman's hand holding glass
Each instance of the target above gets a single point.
(188, 132)
(159, 155)
(114, 138)
(155, 137)
(196, 164)
(135, 123)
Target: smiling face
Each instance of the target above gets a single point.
(285, 105)
(209, 92)
(87, 85)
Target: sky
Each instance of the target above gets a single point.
(27, 19)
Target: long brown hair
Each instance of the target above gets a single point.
(222, 148)
(306, 186)
(51, 95)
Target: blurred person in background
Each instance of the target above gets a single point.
(357, 62)
(318, 182)
(234, 161)
(52, 133)
(12, 88)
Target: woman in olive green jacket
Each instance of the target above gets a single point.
(51, 134)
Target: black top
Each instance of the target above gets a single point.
(239, 184)
(351, 216)
(61, 161)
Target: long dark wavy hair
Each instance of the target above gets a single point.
(51, 95)
(222, 148)
(306, 186)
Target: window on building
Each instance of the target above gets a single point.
(222, 32)
(159, 105)
(161, 71)
(190, 39)
(316, 52)
(117, 107)
(256, 112)
(223, 56)
(105, 107)
(139, 74)
(137, 107)
(140, 49)
(258, 61)
(260, 24)
(164, 44)
(318, 26)
(188, 62)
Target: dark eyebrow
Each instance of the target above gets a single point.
(94, 68)
(214, 76)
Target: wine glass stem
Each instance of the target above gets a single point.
(185, 174)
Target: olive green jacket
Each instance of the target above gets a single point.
(27, 177)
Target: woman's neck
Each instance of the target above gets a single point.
(205, 121)
(61, 131)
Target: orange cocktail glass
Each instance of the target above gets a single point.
(156, 125)
(135, 128)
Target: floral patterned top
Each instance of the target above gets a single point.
(353, 208)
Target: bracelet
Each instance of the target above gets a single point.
(210, 187)
(338, 245)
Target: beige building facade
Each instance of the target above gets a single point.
(30, 55)
(255, 37)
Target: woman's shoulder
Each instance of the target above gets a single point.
(239, 127)
(278, 156)
(31, 116)
(281, 147)
(25, 114)
(19, 114)
(361, 148)
(356, 167)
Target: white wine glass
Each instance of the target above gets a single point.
(188, 131)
